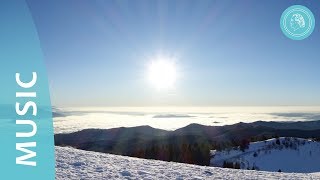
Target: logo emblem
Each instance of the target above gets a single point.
(297, 22)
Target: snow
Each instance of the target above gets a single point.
(291, 155)
(78, 164)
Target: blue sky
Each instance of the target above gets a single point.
(229, 53)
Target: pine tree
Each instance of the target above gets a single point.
(237, 165)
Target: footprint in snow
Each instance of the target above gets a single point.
(125, 173)
(78, 164)
(142, 173)
(99, 169)
(208, 173)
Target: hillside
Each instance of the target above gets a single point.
(190, 144)
(237, 131)
(286, 154)
(78, 164)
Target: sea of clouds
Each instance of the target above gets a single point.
(171, 118)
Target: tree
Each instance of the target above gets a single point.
(279, 170)
(237, 165)
(227, 164)
(244, 145)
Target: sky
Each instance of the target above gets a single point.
(226, 53)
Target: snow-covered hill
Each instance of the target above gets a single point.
(78, 164)
(286, 154)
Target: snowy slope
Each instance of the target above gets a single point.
(286, 154)
(78, 164)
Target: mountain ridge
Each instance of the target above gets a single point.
(190, 144)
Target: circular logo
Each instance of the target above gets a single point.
(297, 22)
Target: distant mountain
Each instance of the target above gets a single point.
(302, 125)
(283, 154)
(117, 140)
(190, 144)
(250, 130)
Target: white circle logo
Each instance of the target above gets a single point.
(297, 22)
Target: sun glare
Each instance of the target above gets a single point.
(162, 73)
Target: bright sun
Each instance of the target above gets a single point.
(162, 73)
